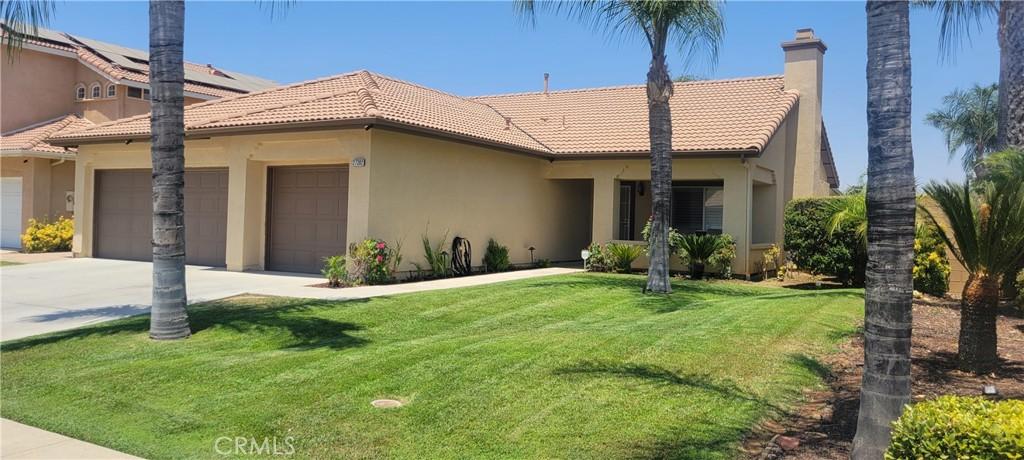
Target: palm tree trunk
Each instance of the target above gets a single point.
(169, 320)
(1011, 74)
(977, 347)
(885, 388)
(659, 90)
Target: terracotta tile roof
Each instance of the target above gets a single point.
(353, 97)
(707, 116)
(33, 138)
(710, 116)
(131, 65)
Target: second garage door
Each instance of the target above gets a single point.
(124, 215)
(308, 215)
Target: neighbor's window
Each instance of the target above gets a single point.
(134, 92)
(697, 208)
(80, 92)
(111, 91)
(145, 94)
(95, 91)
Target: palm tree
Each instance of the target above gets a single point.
(986, 234)
(23, 18)
(969, 119)
(885, 388)
(169, 319)
(696, 26)
(957, 18)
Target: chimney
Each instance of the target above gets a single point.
(803, 68)
(546, 77)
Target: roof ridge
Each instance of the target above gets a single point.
(280, 105)
(616, 87)
(225, 99)
(37, 125)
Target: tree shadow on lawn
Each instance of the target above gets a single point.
(258, 315)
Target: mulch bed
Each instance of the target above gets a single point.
(823, 427)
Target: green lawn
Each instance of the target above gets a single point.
(565, 366)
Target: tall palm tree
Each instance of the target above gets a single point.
(695, 26)
(169, 319)
(969, 120)
(986, 234)
(23, 18)
(885, 388)
(957, 18)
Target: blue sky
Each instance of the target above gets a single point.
(473, 48)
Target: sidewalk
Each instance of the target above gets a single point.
(15, 257)
(22, 441)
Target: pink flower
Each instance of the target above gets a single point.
(380, 259)
(380, 245)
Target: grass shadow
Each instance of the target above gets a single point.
(304, 331)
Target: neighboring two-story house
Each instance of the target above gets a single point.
(60, 82)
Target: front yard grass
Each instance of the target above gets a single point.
(563, 366)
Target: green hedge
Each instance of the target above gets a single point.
(957, 427)
(811, 248)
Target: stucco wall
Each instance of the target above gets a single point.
(43, 183)
(35, 87)
(424, 185)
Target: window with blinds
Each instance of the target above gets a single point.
(697, 209)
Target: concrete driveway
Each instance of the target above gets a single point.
(62, 294)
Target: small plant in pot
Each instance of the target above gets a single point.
(697, 249)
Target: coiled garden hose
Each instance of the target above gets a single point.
(462, 256)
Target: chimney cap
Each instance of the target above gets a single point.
(804, 38)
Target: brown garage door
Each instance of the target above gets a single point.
(123, 215)
(308, 208)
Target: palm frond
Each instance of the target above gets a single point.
(23, 18)
(968, 120)
(957, 20)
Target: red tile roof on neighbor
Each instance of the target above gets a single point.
(32, 139)
(127, 65)
(719, 116)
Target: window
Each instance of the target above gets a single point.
(627, 210)
(111, 90)
(145, 94)
(79, 92)
(697, 209)
(95, 91)
(138, 93)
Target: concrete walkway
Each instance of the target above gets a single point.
(15, 257)
(22, 441)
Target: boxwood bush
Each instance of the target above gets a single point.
(811, 248)
(957, 427)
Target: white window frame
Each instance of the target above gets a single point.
(95, 91)
(80, 92)
(111, 88)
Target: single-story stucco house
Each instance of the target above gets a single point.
(61, 82)
(279, 178)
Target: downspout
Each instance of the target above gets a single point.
(747, 198)
(58, 162)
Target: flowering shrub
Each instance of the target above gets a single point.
(48, 237)
(598, 261)
(372, 262)
(931, 267)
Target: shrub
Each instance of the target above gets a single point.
(697, 250)
(543, 263)
(621, 256)
(334, 271)
(495, 257)
(598, 260)
(373, 262)
(770, 260)
(438, 260)
(673, 238)
(722, 259)
(811, 246)
(959, 427)
(931, 267)
(48, 237)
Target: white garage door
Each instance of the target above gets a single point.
(10, 212)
